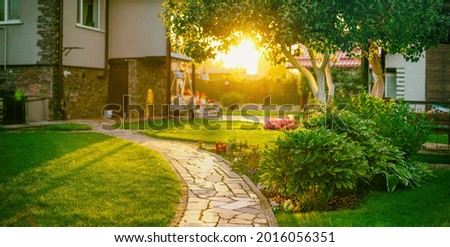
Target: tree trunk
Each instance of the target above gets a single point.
(304, 71)
(329, 78)
(321, 81)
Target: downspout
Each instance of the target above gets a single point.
(60, 106)
(106, 69)
(5, 48)
(169, 76)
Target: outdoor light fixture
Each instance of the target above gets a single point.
(204, 77)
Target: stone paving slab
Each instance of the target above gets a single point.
(216, 196)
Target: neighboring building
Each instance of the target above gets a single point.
(70, 58)
(425, 80)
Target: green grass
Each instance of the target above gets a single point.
(438, 138)
(428, 205)
(207, 131)
(83, 179)
(57, 127)
(434, 158)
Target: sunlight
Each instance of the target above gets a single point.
(244, 56)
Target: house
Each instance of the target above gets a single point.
(73, 59)
(425, 80)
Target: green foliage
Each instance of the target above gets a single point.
(348, 80)
(383, 157)
(405, 27)
(313, 164)
(244, 157)
(396, 121)
(231, 98)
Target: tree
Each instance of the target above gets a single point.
(406, 27)
(202, 28)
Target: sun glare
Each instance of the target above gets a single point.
(244, 56)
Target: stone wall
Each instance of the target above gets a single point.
(85, 92)
(34, 82)
(145, 74)
(48, 29)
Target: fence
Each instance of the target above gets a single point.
(438, 113)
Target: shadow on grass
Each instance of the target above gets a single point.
(105, 183)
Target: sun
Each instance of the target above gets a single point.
(244, 56)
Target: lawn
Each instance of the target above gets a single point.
(438, 138)
(207, 131)
(83, 179)
(428, 205)
(434, 158)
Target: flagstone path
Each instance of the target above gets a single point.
(214, 194)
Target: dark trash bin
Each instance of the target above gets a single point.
(12, 108)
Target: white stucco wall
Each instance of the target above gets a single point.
(92, 41)
(135, 29)
(415, 76)
(22, 38)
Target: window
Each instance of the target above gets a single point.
(9, 10)
(88, 13)
(391, 85)
(395, 83)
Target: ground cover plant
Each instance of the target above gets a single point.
(83, 179)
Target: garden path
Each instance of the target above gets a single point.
(214, 194)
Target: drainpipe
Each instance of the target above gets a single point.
(60, 106)
(106, 58)
(169, 76)
(4, 48)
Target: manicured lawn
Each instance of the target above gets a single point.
(208, 131)
(438, 138)
(434, 158)
(428, 205)
(83, 179)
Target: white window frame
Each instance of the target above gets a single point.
(7, 20)
(80, 17)
(390, 74)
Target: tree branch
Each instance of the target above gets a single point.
(308, 75)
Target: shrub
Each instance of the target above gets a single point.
(396, 121)
(313, 165)
(232, 98)
(280, 124)
(383, 157)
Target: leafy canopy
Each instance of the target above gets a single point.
(201, 28)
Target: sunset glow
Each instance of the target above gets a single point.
(244, 56)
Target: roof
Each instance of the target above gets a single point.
(341, 61)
